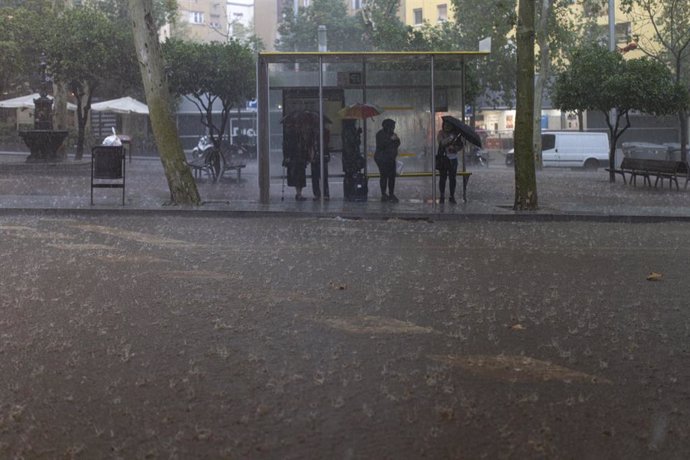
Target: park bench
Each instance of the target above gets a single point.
(209, 162)
(661, 169)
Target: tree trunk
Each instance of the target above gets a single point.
(181, 183)
(543, 76)
(683, 118)
(60, 115)
(613, 140)
(525, 175)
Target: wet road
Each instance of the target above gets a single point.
(150, 337)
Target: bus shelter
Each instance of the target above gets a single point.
(415, 89)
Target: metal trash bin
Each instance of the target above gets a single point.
(108, 168)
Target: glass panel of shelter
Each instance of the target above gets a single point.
(400, 86)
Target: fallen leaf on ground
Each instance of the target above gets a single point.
(517, 327)
(654, 276)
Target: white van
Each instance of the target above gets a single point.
(572, 149)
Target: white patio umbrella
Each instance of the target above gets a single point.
(122, 105)
(27, 102)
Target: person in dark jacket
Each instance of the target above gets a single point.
(294, 158)
(449, 145)
(387, 143)
(316, 166)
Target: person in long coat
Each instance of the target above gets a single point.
(294, 158)
(316, 165)
(387, 143)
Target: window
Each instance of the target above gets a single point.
(196, 17)
(548, 141)
(356, 4)
(442, 12)
(418, 18)
(623, 32)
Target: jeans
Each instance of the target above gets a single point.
(451, 175)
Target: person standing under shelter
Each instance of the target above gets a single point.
(449, 144)
(387, 143)
(294, 158)
(316, 166)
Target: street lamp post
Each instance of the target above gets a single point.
(612, 25)
(323, 39)
(612, 48)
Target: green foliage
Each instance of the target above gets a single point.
(10, 53)
(345, 33)
(495, 19)
(23, 36)
(209, 73)
(599, 79)
(669, 43)
(85, 50)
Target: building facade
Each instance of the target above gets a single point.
(240, 18)
(201, 20)
(417, 12)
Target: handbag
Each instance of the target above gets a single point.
(442, 162)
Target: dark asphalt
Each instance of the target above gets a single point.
(154, 336)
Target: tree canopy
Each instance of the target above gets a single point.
(669, 42)
(24, 32)
(210, 73)
(345, 32)
(87, 50)
(601, 80)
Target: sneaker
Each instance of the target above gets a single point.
(317, 198)
(300, 198)
(384, 198)
(452, 200)
(442, 199)
(392, 198)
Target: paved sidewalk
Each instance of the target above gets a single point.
(563, 195)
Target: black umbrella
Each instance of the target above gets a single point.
(464, 130)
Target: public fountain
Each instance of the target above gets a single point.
(43, 141)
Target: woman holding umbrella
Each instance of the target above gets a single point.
(449, 144)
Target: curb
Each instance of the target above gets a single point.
(516, 216)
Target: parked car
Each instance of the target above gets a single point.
(571, 149)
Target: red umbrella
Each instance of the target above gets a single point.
(360, 111)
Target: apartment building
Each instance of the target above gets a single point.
(240, 18)
(416, 12)
(201, 20)
(267, 15)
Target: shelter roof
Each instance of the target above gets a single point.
(357, 56)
